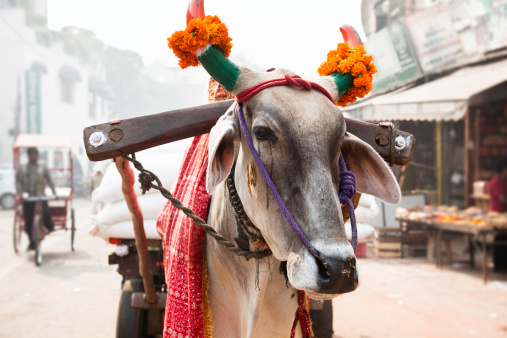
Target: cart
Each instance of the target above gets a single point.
(56, 151)
(138, 322)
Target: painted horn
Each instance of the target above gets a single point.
(218, 66)
(345, 81)
(195, 10)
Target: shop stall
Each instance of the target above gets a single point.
(478, 226)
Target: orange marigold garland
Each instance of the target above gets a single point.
(197, 35)
(354, 61)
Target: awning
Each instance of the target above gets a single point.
(444, 99)
(42, 141)
(69, 74)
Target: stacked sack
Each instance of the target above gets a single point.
(366, 210)
(114, 219)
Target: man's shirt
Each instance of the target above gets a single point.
(33, 179)
(497, 187)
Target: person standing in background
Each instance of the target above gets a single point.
(498, 188)
(31, 180)
(498, 203)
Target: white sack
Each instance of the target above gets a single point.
(367, 209)
(364, 231)
(163, 164)
(151, 205)
(124, 230)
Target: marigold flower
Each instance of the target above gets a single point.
(354, 61)
(197, 34)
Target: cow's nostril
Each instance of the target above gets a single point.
(324, 272)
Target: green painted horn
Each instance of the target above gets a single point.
(219, 67)
(343, 82)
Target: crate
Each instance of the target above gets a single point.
(388, 244)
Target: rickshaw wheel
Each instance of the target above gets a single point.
(16, 231)
(37, 238)
(131, 323)
(72, 230)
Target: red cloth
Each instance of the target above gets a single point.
(183, 244)
(497, 187)
(183, 241)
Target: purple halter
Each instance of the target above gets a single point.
(346, 191)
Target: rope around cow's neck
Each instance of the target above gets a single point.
(346, 191)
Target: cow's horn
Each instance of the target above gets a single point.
(219, 67)
(345, 81)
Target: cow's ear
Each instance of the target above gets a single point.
(221, 150)
(373, 175)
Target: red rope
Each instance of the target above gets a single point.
(303, 316)
(293, 80)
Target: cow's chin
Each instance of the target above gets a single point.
(304, 273)
(320, 296)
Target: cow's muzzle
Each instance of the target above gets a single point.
(337, 276)
(327, 280)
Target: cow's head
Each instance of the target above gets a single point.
(299, 136)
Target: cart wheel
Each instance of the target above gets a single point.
(72, 229)
(322, 320)
(16, 231)
(131, 323)
(37, 238)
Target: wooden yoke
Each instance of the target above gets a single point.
(116, 138)
(127, 187)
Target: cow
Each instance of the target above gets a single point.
(299, 136)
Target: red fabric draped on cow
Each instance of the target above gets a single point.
(184, 260)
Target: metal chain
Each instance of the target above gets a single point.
(146, 178)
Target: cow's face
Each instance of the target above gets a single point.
(299, 136)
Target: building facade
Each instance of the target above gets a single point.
(46, 88)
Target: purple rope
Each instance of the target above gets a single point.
(345, 192)
(278, 199)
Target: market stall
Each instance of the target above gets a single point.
(479, 226)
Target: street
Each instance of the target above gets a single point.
(412, 298)
(76, 294)
(73, 294)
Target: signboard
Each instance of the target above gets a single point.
(392, 54)
(490, 5)
(33, 106)
(491, 30)
(435, 40)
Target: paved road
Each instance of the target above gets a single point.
(73, 294)
(411, 298)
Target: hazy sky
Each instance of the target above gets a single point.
(270, 33)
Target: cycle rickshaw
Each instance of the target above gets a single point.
(56, 152)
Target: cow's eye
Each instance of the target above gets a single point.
(264, 134)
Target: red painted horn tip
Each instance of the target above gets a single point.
(195, 10)
(350, 36)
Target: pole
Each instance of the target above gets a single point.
(439, 160)
(127, 187)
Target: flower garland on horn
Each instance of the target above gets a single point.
(198, 34)
(353, 61)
